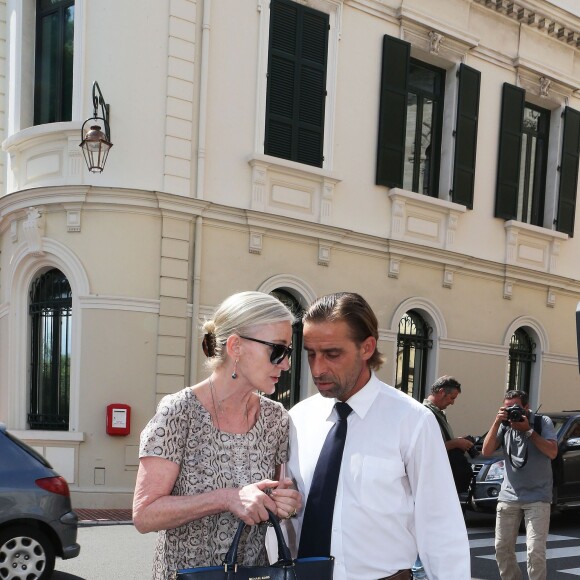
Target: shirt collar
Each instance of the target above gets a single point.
(362, 401)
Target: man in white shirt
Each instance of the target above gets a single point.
(395, 495)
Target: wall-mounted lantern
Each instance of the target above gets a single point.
(94, 143)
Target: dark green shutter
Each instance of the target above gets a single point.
(393, 112)
(569, 172)
(296, 95)
(510, 150)
(466, 136)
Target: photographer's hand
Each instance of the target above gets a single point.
(490, 443)
(459, 443)
(523, 425)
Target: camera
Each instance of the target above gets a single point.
(515, 414)
(472, 451)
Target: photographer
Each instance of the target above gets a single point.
(443, 393)
(526, 490)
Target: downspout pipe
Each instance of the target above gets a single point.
(195, 342)
(203, 90)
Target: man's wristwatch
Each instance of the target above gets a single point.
(528, 433)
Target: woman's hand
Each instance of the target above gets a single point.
(249, 503)
(288, 500)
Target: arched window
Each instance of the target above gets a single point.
(413, 345)
(50, 312)
(288, 387)
(521, 358)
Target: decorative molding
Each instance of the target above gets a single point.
(73, 217)
(259, 173)
(255, 242)
(544, 86)
(324, 253)
(206, 312)
(544, 22)
(424, 220)
(561, 359)
(427, 306)
(292, 189)
(394, 267)
(548, 85)
(386, 335)
(14, 231)
(477, 347)
(508, 289)
(435, 40)
(103, 302)
(31, 436)
(4, 310)
(551, 298)
(531, 323)
(448, 274)
(33, 231)
(42, 156)
(304, 293)
(532, 247)
(432, 36)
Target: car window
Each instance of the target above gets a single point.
(574, 431)
(28, 450)
(559, 423)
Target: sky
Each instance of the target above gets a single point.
(572, 6)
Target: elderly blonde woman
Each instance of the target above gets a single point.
(211, 454)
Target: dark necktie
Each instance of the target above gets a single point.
(317, 523)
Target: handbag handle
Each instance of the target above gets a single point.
(284, 556)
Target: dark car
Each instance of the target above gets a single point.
(37, 522)
(489, 471)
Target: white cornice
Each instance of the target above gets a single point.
(120, 303)
(478, 347)
(560, 359)
(547, 18)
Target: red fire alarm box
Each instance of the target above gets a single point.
(118, 419)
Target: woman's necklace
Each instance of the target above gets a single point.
(217, 409)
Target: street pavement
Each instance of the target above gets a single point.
(112, 549)
(109, 551)
(562, 553)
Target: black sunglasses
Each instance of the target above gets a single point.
(279, 351)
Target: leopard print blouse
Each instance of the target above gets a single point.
(182, 431)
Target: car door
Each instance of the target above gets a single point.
(569, 488)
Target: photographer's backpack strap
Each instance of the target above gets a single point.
(538, 424)
(557, 463)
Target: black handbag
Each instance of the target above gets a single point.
(319, 568)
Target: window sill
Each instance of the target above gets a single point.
(34, 435)
(44, 155)
(532, 247)
(420, 219)
(292, 189)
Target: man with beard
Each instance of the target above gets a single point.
(395, 495)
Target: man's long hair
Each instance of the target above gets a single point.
(352, 309)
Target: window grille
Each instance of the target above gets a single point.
(288, 387)
(413, 345)
(50, 315)
(521, 359)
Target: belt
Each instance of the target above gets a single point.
(400, 575)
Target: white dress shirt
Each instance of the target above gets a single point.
(395, 497)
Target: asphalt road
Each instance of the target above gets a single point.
(119, 552)
(109, 552)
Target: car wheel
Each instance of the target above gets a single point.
(26, 553)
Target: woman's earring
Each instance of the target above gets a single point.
(235, 374)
